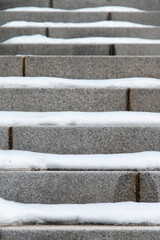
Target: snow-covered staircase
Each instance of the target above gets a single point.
(78, 119)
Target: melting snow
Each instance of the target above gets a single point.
(79, 118)
(94, 9)
(111, 24)
(123, 213)
(40, 39)
(52, 82)
(23, 160)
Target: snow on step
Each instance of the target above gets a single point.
(24, 160)
(122, 213)
(68, 25)
(94, 9)
(40, 39)
(79, 118)
(52, 82)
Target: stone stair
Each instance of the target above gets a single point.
(78, 80)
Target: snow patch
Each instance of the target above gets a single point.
(123, 213)
(119, 24)
(93, 9)
(52, 82)
(40, 39)
(79, 118)
(24, 160)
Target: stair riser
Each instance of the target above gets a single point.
(53, 16)
(82, 232)
(75, 32)
(81, 49)
(21, 3)
(68, 187)
(143, 4)
(87, 140)
(45, 100)
(92, 67)
(150, 18)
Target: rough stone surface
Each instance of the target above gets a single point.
(79, 232)
(150, 186)
(72, 4)
(4, 4)
(78, 32)
(6, 33)
(11, 66)
(3, 138)
(79, 99)
(87, 139)
(54, 49)
(68, 187)
(145, 100)
(90, 67)
(150, 18)
(53, 16)
(137, 49)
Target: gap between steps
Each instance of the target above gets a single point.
(24, 67)
(10, 138)
(138, 197)
(128, 100)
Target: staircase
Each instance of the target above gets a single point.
(78, 99)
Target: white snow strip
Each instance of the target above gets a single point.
(93, 9)
(23, 160)
(40, 39)
(119, 24)
(52, 82)
(79, 118)
(123, 213)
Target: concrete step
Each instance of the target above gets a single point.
(150, 18)
(52, 94)
(4, 4)
(62, 99)
(147, 18)
(57, 187)
(80, 133)
(80, 32)
(81, 49)
(56, 49)
(75, 32)
(149, 186)
(82, 67)
(61, 16)
(89, 67)
(6, 33)
(143, 4)
(80, 232)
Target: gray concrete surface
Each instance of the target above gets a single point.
(90, 67)
(87, 139)
(145, 100)
(55, 49)
(11, 66)
(143, 4)
(137, 49)
(79, 232)
(150, 186)
(4, 4)
(68, 187)
(150, 18)
(78, 32)
(79, 99)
